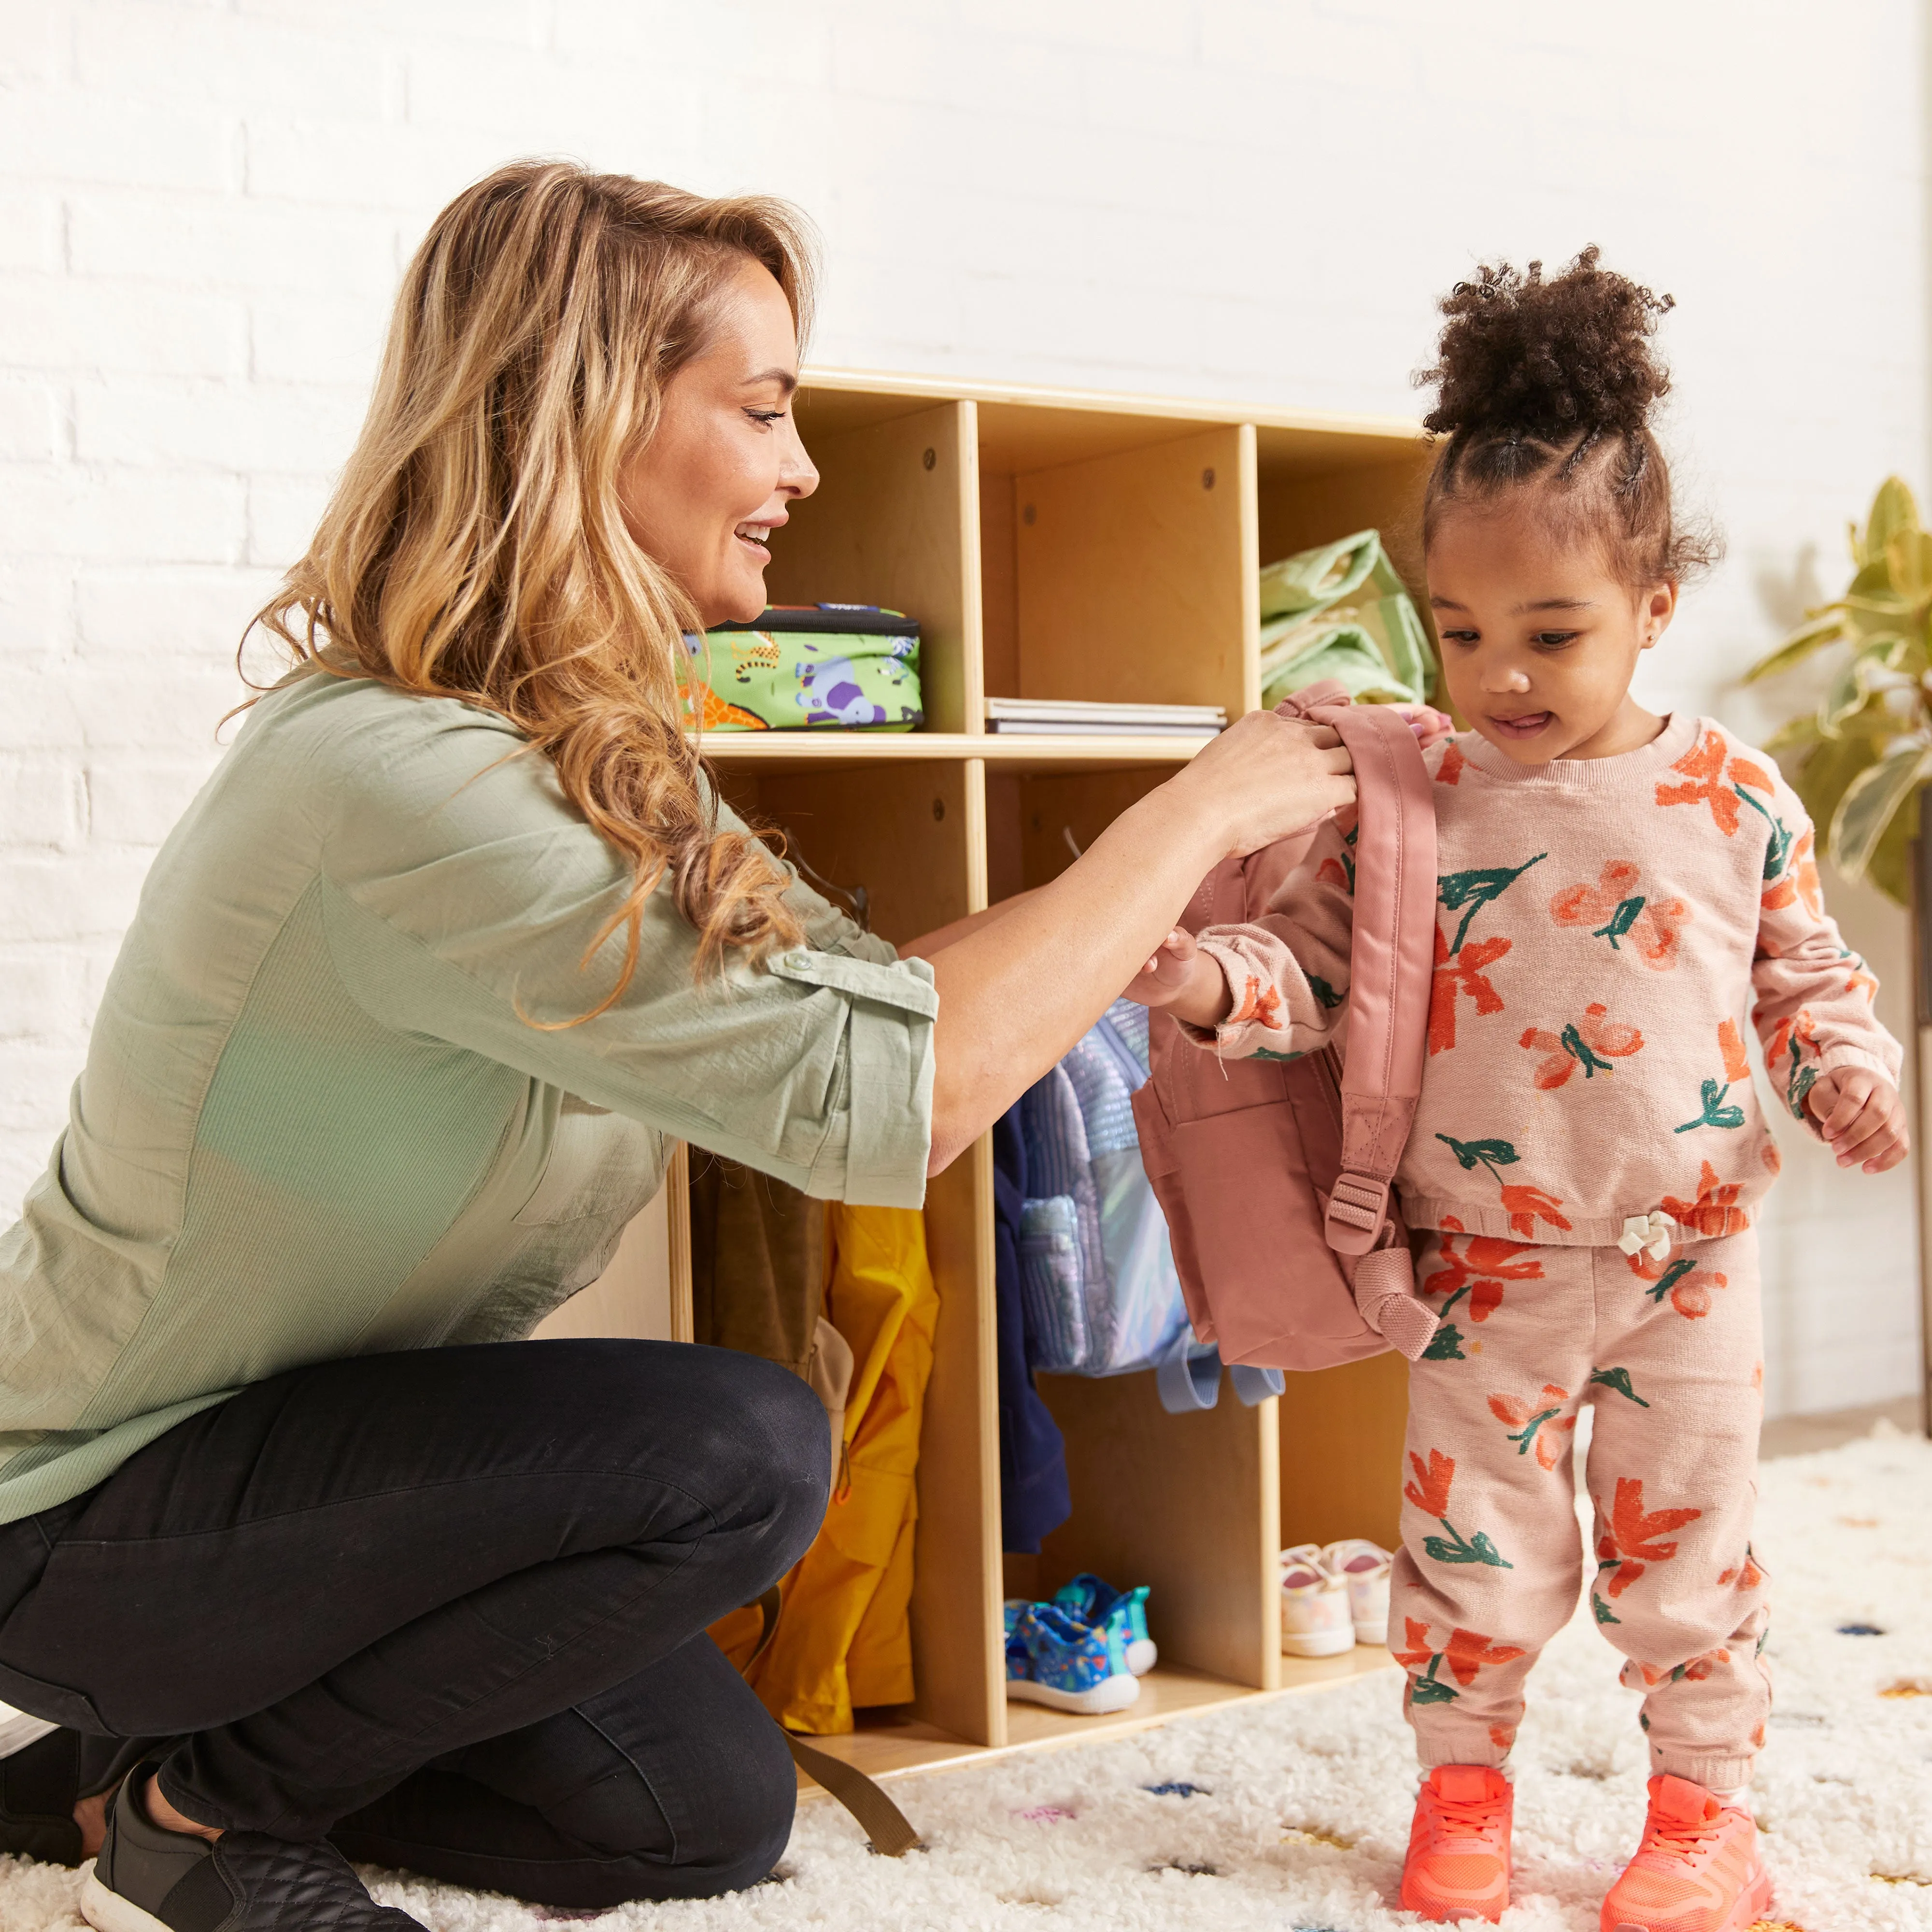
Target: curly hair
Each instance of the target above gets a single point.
(475, 546)
(1552, 383)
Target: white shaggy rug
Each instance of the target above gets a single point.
(1292, 1815)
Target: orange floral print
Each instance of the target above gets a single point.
(1260, 1005)
(1418, 1653)
(1714, 1211)
(1465, 1653)
(1630, 1534)
(1640, 1676)
(1688, 1286)
(1485, 1262)
(1333, 872)
(1730, 1044)
(1470, 1650)
(1800, 882)
(1429, 1492)
(1450, 772)
(1541, 1425)
(1463, 974)
(1860, 981)
(1747, 1575)
(1525, 1206)
(1705, 767)
(1591, 1042)
(1503, 1736)
(1616, 909)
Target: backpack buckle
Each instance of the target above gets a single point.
(1357, 1210)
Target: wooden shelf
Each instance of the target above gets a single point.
(895, 1748)
(817, 750)
(1054, 544)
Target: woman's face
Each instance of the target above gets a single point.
(725, 464)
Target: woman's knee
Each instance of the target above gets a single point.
(786, 1446)
(720, 1824)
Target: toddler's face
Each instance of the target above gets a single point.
(1539, 640)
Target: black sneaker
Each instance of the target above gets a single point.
(149, 1879)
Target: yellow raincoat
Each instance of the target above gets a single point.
(843, 1637)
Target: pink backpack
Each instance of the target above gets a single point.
(1275, 1176)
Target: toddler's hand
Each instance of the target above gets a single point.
(1166, 976)
(1860, 1116)
(1427, 722)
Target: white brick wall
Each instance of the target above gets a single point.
(203, 208)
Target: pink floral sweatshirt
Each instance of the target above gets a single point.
(1605, 927)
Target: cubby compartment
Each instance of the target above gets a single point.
(892, 523)
(1315, 486)
(1341, 1433)
(912, 834)
(1116, 561)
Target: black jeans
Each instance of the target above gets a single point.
(447, 1608)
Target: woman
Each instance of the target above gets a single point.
(457, 935)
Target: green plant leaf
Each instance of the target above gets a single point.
(1890, 867)
(1826, 627)
(1908, 562)
(1802, 730)
(1845, 694)
(1893, 510)
(1828, 769)
(1869, 803)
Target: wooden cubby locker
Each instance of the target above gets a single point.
(1065, 545)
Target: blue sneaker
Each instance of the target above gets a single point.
(1095, 1602)
(1053, 1659)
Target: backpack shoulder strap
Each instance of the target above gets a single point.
(1394, 952)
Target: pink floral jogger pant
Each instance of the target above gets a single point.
(1667, 1353)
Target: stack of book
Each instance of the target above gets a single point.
(1045, 717)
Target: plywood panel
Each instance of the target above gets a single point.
(896, 1746)
(895, 522)
(1130, 571)
(999, 583)
(1083, 803)
(957, 1638)
(1341, 1452)
(904, 832)
(1186, 1504)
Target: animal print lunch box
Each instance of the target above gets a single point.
(828, 667)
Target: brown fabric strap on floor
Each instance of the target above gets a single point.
(886, 1826)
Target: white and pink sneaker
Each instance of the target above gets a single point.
(1315, 1616)
(1363, 1567)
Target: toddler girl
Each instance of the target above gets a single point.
(1619, 895)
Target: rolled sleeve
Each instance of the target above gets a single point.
(464, 901)
(875, 1155)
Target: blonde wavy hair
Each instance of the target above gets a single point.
(475, 546)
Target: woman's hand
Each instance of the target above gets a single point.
(1264, 778)
(1016, 991)
(1183, 980)
(1861, 1117)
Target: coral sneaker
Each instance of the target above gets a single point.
(1458, 1865)
(1697, 1870)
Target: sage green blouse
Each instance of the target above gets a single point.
(317, 1120)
